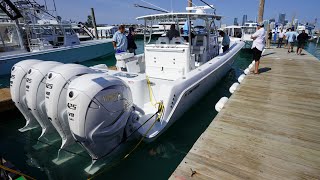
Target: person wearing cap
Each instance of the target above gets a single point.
(258, 45)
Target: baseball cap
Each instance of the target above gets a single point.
(260, 24)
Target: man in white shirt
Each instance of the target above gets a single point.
(281, 35)
(259, 38)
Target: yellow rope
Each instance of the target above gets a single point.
(16, 172)
(151, 96)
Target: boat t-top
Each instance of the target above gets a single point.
(101, 108)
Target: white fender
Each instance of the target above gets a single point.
(234, 87)
(247, 71)
(241, 78)
(221, 103)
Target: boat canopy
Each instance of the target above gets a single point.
(180, 16)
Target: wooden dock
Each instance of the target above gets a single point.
(268, 129)
(5, 100)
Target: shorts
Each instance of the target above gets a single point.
(256, 54)
(291, 44)
(301, 44)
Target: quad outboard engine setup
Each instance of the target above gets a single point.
(57, 84)
(99, 107)
(35, 95)
(18, 92)
(91, 106)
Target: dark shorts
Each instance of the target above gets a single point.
(225, 48)
(291, 44)
(256, 54)
(301, 44)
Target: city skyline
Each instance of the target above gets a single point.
(116, 12)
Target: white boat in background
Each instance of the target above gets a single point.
(40, 35)
(234, 32)
(106, 31)
(141, 99)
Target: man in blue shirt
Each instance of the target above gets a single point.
(225, 41)
(119, 40)
(291, 37)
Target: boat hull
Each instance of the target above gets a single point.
(78, 53)
(188, 91)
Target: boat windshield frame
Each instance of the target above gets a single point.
(208, 18)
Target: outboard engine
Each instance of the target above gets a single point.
(35, 95)
(57, 83)
(18, 91)
(99, 107)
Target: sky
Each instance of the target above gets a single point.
(123, 11)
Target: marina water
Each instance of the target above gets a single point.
(156, 160)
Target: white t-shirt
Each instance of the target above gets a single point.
(281, 34)
(260, 40)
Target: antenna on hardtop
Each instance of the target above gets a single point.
(211, 6)
(164, 10)
(145, 7)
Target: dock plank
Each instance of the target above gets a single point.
(269, 128)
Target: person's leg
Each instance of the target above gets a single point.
(224, 49)
(302, 46)
(227, 47)
(281, 39)
(289, 47)
(256, 58)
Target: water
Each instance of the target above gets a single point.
(156, 160)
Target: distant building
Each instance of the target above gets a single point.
(272, 20)
(286, 22)
(235, 22)
(282, 18)
(272, 25)
(244, 19)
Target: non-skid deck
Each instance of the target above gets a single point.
(268, 129)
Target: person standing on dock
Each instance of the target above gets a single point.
(281, 35)
(258, 45)
(269, 39)
(131, 44)
(302, 39)
(119, 40)
(291, 37)
(225, 41)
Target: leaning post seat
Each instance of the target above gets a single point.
(163, 40)
(177, 40)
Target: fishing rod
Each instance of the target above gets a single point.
(208, 4)
(214, 9)
(145, 7)
(154, 5)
